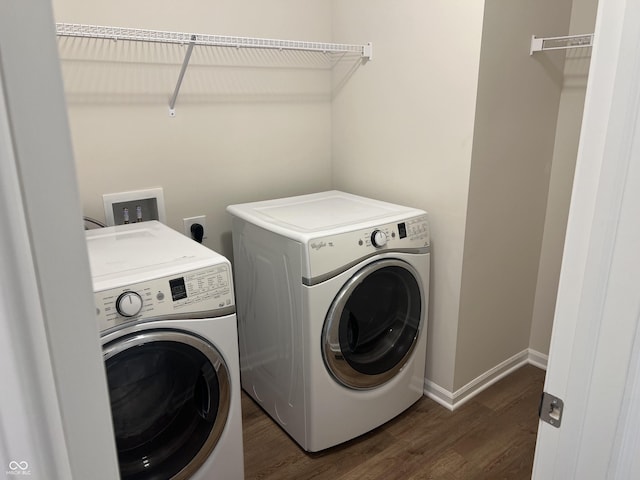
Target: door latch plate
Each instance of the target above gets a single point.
(551, 408)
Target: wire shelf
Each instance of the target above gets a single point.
(140, 35)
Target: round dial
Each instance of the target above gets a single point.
(378, 238)
(129, 304)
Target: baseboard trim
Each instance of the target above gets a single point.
(453, 400)
(538, 359)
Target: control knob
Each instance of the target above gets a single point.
(129, 304)
(378, 238)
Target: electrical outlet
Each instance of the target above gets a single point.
(202, 220)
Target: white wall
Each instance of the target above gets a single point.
(517, 108)
(249, 125)
(583, 15)
(403, 129)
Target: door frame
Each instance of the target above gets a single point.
(52, 372)
(594, 360)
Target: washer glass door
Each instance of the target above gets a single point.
(373, 324)
(169, 393)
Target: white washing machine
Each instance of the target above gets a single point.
(166, 310)
(332, 293)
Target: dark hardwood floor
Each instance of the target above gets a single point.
(492, 436)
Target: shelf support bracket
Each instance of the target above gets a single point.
(367, 52)
(183, 69)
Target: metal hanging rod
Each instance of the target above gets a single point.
(192, 39)
(560, 43)
(136, 34)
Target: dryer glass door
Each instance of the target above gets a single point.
(169, 393)
(373, 324)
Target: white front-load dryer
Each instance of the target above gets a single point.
(166, 311)
(332, 293)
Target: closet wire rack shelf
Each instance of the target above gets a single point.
(193, 39)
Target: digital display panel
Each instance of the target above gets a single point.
(402, 230)
(178, 289)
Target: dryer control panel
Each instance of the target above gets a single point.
(333, 252)
(202, 293)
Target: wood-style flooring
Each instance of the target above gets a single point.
(492, 436)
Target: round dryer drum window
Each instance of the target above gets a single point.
(169, 393)
(373, 324)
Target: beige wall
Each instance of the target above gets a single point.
(583, 15)
(403, 127)
(518, 97)
(249, 125)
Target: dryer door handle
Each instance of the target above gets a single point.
(207, 402)
(352, 332)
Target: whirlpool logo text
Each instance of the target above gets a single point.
(18, 468)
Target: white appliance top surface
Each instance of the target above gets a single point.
(307, 216)
(138, 252)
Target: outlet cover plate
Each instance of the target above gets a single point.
(201, 219)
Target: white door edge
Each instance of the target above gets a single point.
(597, 309)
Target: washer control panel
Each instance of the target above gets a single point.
(206, 292)
(332, 252)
